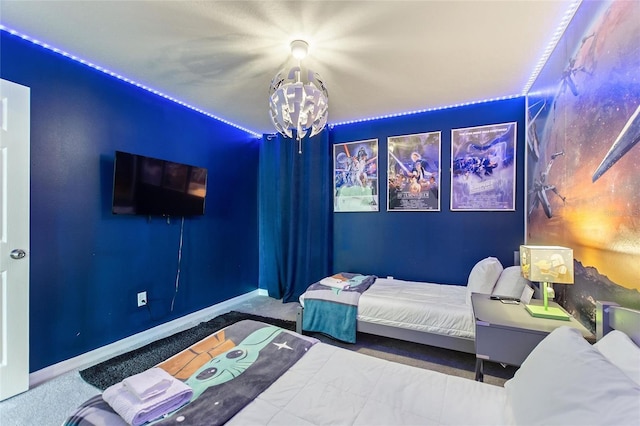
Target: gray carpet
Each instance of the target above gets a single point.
(47, 404)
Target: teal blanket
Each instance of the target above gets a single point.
(333, 311)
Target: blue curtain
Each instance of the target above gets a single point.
(295, 214)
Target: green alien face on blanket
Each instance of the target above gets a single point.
(232, 363)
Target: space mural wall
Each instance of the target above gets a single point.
(583, 165)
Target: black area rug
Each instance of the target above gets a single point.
(116, 369)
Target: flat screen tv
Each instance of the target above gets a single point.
(153, 187)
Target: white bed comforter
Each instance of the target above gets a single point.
(434, 308)
(331, 385)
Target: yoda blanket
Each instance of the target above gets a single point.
(226, 371)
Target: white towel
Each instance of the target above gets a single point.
(148, 383)
(335, 282)
(137, 412)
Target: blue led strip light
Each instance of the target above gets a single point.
(573, 7)
(568, 16)
(550, 47)
(122, 78)
(401, 114)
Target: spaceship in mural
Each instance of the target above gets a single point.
(628, 137)
(532, 133)
(572, 69)
(538, 191)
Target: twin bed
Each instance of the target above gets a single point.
(427, 313)
(279, 377)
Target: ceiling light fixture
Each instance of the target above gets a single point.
(298, 99)
(299, 49)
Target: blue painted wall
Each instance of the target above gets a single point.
(86, 264)
(439, 246)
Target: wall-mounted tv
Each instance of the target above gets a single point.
(153, 187)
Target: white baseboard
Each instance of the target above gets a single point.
(138, 340)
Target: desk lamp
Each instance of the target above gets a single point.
(547, 265)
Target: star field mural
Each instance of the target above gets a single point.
(583, 162)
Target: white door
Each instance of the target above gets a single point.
(14, 238)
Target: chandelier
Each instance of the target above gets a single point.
(298, 99)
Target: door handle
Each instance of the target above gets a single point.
(18, 254)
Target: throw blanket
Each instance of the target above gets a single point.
(226, 371)
(333, 309)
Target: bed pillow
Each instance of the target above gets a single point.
(511, 283)
(483, 277)
(620, 350)
(567, 381)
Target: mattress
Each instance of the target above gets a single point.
(434, 308)
(331, 385)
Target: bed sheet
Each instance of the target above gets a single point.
(331, 385)
(429, 307)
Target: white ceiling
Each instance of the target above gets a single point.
(376, 57)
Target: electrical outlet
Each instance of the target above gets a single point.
(142, 298)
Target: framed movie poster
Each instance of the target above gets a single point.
(355, 176)
(483, 167)
(413, 172)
